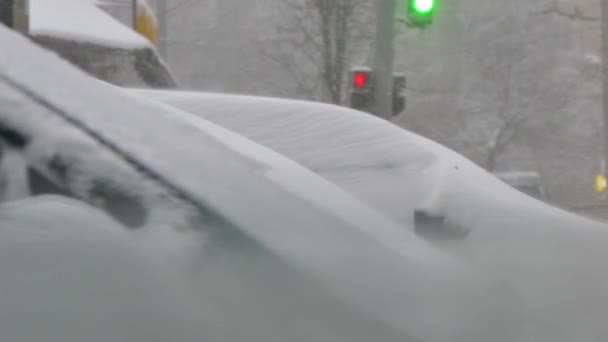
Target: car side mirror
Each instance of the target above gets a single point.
(436, 227)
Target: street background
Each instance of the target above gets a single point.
(513, 85)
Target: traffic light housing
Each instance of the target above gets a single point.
(420, 12)
(362, 89)
(362, 85)
(399, 102)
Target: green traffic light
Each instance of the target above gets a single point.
(423, 6)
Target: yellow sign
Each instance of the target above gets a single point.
(600, 183)
(145, 23)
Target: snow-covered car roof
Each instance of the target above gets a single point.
(251, 201)
(392, 169)
(547, 256)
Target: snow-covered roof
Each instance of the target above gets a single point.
(81, 21)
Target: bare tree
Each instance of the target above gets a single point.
(504, 87)
(509, 121)
(317, 41)
(575, 14)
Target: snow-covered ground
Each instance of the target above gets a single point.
(81, 21)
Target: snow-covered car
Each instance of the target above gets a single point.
(553, 259)
(252, 246)
(249, 245)
(391, 169)
(82, 33)
(72, 273)
(528, 182)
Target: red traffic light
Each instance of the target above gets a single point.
(360, 80)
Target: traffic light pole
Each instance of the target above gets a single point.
(384, 57)
(134, 14)
(604, 10)
(6, 12)
(161, 6)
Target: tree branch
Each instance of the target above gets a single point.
(321, 32)
(577, 14)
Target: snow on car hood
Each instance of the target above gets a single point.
(81, 21)
(70, 273)
(553, 260)
(363, 259)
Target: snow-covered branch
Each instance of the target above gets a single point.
(575, 14)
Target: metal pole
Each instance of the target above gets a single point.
(604, 10)
(384, 58)
(134, 14)
(6, 12)
(15, 14)
(22, 16)
(161, 8)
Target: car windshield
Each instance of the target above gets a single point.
(303, 170)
